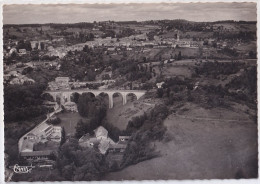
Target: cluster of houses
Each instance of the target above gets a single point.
(8, 52)
(43, 133)
(41, 45)
(60, 83)
(45, 44)
(127, 44)
(102, 143)
(64, 83)
(16, 78)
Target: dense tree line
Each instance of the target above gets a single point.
(243, 35)
(80, 164)
(81, 64)
(145, 129)
(89, 106)
(172, 87)
(80, 38)
(241, 88)
(229, 52)
(248, 83)
(126, 32)
(92, 108)
(24, 45)
(23, 102)
(54, 121)
(132, 70)
(81, 25)
(218, 68)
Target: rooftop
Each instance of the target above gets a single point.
(27, 145)
(101, 132)
(114, 146)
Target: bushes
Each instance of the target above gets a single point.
(146, 129)
(54, 121)
(113, 132)
(229, 52)
(94, 109)
(137, 151)
(88, 126)
(215, 68)
(248, 81)
(172, 87)
(146, 121)
(159, 92)
(26, 113)
(136, 122)
(80, 164)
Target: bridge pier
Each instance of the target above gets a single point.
(124, 98)
(110, 101)
(68, 97)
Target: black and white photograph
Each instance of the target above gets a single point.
(130, 92)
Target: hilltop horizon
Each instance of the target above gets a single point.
(135, 21)
(75, 13)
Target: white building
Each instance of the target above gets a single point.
(159, 85)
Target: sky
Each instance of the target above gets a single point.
(73, 13)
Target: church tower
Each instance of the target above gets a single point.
(178, 36)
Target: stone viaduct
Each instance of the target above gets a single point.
(65, 95)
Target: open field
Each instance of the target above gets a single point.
(246, 46)
(171, 71)
(201, 149)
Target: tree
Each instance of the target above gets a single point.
(179, 56)
(89, 106)
(63, 136)
(42, 45)
(23, 102)
(80, 164)
(54, 121)
(81, 128)
(252, 55)
(68, 171)
(160, 92)
(75, 97)
(24, 45)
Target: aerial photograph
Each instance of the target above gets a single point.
(112, 92)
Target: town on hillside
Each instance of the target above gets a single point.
(113, 100)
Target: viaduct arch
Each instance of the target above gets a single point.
(65, 95)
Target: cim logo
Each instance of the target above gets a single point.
(22, 169)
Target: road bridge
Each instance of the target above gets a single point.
(65, 95)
